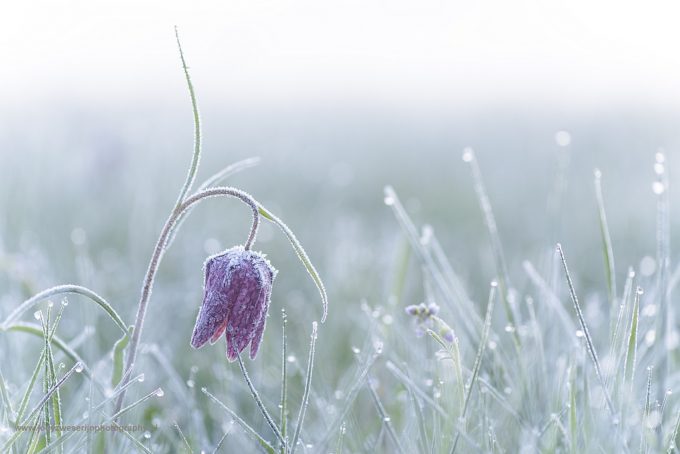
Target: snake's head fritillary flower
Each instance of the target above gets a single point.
(237, 289)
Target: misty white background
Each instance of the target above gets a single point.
(560, 53)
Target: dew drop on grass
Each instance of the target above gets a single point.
(389, 200)
(338, 394)
(160, 392)
(79, 368)
(387, 419)
(140, 378)
(291, 359)
(86, 415)
(509, 328)
(562, 138)
(660, 157)
(147, 434)
(650, 337)
(468, 154)
(50, 304)
(190, 383)
(658, 168)
(62, 365)
(658, 187)
(579, 333)
(37, 315)
(64, 302)
(356, 350)
(649, 310)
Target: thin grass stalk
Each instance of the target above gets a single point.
(283, 417)
(387, 421)
(584, 328)
(260, 404)
(308, 387)
(478, 361)
(607, 250)
(496, 244)
(256, 436)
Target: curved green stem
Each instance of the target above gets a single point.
(158, 255)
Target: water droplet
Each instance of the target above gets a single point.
(140, 378)
(660, 157)
(468, 154)
(562, 138)
(356, 350)
(640, 291)
(194, 369)
(647, 266)
(190, 383)
(579, 333)
(50, 304)
(338, 394)
(78, 236)
(86, 415)
(291, 359)
(658, 168)
(649, 310)
(509, 328)
(494, 283)
(160, 392)
(658, 187)
(204, 389)
(598, 174)
(37, 315)
(147, 434)
(492, 345)
(387, 419)
(79, 368)
(650, 337)
(64, 302)
(389, 200)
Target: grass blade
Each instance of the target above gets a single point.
(269, 448)
(584, 328)
(302, 255)
(58, 290)
(478, 360)
(308, 386)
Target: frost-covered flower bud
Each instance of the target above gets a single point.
(412, 309)
(237, 289)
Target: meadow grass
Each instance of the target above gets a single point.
(550, 372)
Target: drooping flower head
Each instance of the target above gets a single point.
(237, 289)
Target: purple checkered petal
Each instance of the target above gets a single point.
(238, 289)
(212, 316)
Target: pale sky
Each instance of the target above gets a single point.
(580, 51)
